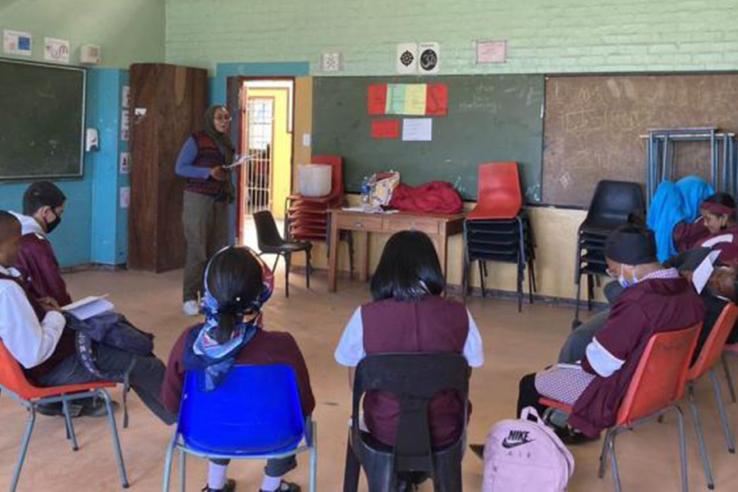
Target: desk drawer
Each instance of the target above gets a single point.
(360, 223)
(397, 223)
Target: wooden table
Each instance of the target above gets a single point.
(439, 227)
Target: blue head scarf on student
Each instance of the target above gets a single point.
(203, 352)
(694, 190)
(666, 211)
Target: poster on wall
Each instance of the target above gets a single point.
(417, 130)
(56, 50)
(125, 96)
(17, 43)
(407, 58)
(429, 58)
(125, 197)
(125, 163)
(125, 125)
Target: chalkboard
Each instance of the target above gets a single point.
(42, 120)
(490, 118)
(594, 123)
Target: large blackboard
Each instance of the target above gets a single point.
(490, 118)
(41, 128)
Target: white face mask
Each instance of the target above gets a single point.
(624, 282)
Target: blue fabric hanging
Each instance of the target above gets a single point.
(666, 211)
(694, 190)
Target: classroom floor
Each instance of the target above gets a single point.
(514, 345)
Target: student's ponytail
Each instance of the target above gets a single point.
(226, 326)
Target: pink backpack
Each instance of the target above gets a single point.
(524, 455)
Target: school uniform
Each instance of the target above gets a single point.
(696, 235)
(204, 208)
(430, 325)
(38, 264)
(265, 348)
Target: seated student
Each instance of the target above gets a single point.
(655, 299)
(43, 206)
(237, 284)
(408, 314)
(56, 363)
(716, 230)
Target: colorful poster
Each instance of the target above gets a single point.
(437, 100)
(56, 50)
(17, 42)
(384, 129)
(417, 130)
(377, 99)
(415, 99)
(395, 99)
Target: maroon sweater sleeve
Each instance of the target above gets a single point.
(37, 263)
(686, 236)
(171, 388)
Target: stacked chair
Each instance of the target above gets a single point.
(613, 203)
(498, 228)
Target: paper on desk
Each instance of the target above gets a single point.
(417, 129)
(89, 306)
(702, 273)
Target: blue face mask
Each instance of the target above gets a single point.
(624, 282)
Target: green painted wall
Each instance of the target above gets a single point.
(543, 35)
(128, 31)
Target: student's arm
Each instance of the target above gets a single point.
(171, 387)
(297, 361)
(37, 262)
(185, 167)
(611, 346)
(350, 349)
(29, 341)
(473, 348)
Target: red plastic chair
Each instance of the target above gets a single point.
(499, 196)
(657, 385)
(13, 382)
(705, 364)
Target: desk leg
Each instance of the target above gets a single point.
(333, 258)
(364, 269)
(441, 243)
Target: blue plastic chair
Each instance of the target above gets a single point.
(254, 414)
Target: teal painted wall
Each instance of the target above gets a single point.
(127, 30)
(542, 35)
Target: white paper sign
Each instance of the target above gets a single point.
(125, 125)
(417, 129)
(56, 50)
(429, 58)
(491, 51)
(17, 42)
(406, 61)
(125, 163)
(125, 197)
(125, 95)
(702, 273)
(306, 140)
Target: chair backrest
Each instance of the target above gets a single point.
(715, 343)
(661, 374)
(336, 163)
(616, 200)
(413, 379)
(499, 188)
(12, 376)
(267, 234)
(255, 410)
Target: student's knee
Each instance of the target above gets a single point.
(278, 467)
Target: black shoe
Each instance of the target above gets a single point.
(230, 486)
(95, 407)
(477, 449)
(573, 437)
(56, 409)
(286, 487)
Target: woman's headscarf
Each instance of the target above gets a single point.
(222, 140)
(694, 190)
(666, 211)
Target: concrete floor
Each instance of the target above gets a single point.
(514, 345)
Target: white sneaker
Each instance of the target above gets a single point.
(190, 308)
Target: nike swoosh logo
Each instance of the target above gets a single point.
(514, 444)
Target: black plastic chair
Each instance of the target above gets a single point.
(271, 243)
(614, 204)
(413, 379)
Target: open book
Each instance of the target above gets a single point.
(89, 306)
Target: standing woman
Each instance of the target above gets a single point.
(208, 193)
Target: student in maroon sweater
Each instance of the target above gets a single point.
(655, 299)
(237, 284)
(716, 229)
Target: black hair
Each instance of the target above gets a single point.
(724, 199)
(42, 194)
(408, 269)
(235, 281)
(8, 225)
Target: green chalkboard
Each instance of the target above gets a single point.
(42, 123)
(490, 118)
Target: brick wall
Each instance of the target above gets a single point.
(543, 35)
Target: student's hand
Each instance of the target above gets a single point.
(219, 173)
(722, 281)
(49, 304)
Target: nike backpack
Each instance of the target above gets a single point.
(525, 455)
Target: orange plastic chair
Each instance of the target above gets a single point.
(13, 382)
(657, 385)
(705, 364)
(499, 196)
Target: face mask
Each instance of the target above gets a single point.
(50, 226)
(624, 282)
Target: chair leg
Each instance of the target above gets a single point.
(182, 471)
(682, 449)
(287, 261)
(700, 437)
(350, 241)
(729, 377)
(481, 278)
(614, 463)
(314, 457)
(520, 286)
(352, 470)
(727, 431)
(116, 440)
(308, 267)
(168, 464)
(590, 291)
(68, 424)
(576, 321)
(604, 454)
(24, 449)
(276, 260)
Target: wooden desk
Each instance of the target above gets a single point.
(438, 227)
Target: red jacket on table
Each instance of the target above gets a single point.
(267, 347)
(38, 264)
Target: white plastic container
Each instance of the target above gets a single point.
(315, 179)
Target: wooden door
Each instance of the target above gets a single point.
(167, 106)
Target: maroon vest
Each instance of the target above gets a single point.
(209, 156)
(65, 348)
(431, 325)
